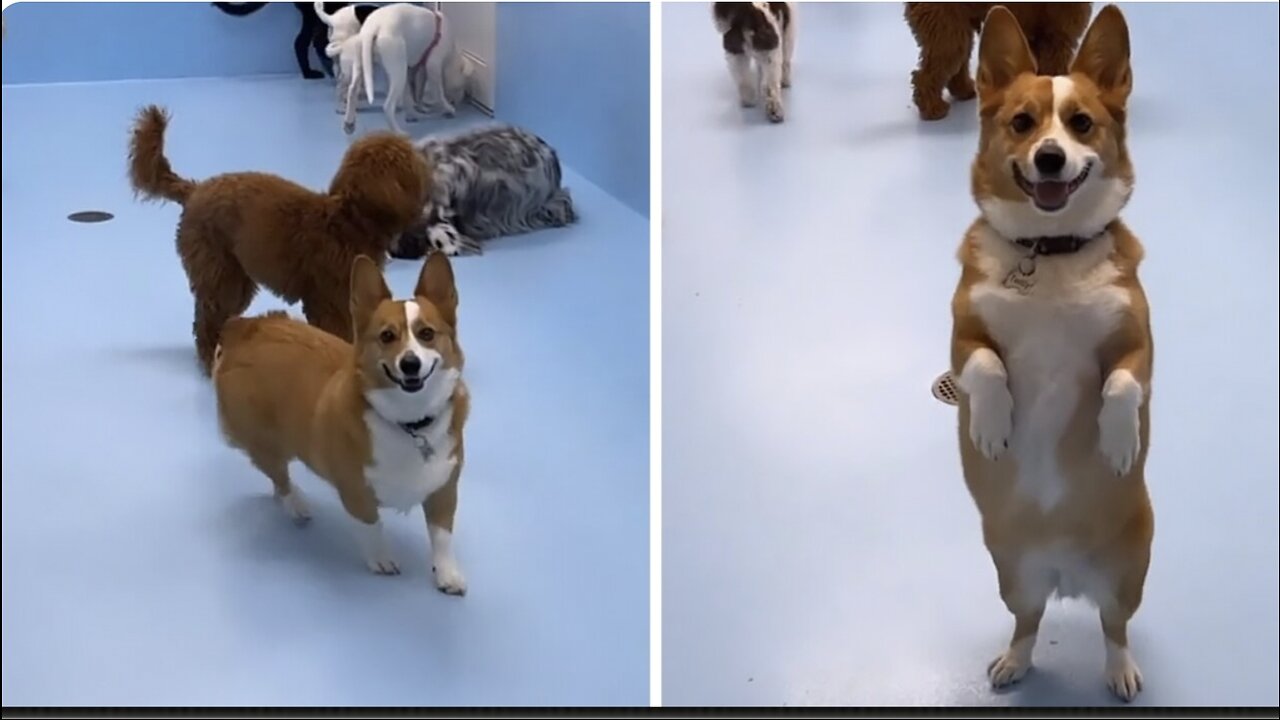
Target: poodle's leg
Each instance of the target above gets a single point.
(1053, 51)
(740, 71)
(961, 84)
(324, 311)
(770, 65)
(393, 54)
(945, 41)
(220, 286)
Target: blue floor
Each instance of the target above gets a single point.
(819, 544)
(145, 563)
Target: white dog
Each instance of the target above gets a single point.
(344, 22)
(418, 52)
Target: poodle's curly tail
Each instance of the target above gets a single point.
(149, 170)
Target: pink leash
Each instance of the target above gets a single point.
(435, 40)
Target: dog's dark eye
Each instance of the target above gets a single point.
(387, 336)
(1022, 122)
(1081, 123)
(426, 334)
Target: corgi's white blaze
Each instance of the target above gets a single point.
(1049, 338)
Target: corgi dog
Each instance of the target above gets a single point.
(379, 418)
(1051, 344)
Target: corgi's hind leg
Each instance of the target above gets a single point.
(1025, 596)
(291, 498)
(1124, 678)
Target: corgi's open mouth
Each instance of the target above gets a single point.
(1050, 195)
(411, 384)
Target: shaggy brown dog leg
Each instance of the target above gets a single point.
(961, 84)
(945, 41)
(322, 313)
(221, 288)
(1053, 52)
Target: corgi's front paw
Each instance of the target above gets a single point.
(1119, 426)
(449, 577)
(377, 556)
(991, 420)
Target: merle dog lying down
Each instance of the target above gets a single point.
(490, 182)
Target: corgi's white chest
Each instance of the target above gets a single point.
(1049, 338)
(401, 474)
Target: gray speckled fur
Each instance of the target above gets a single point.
(490, 182)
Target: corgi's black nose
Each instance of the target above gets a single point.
(410, 364)
(1050, 159)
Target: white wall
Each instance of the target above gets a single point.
(474, 26)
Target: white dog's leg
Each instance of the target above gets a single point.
(435, 79)
(770, 64)
(392, 52)
(740, 71)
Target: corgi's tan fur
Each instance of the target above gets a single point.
(1053, 354)
(381, 419)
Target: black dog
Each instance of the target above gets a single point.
(314, 32)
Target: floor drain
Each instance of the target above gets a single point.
(944, 388)
(90, 216)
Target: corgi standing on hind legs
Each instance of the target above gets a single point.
(1051, 343)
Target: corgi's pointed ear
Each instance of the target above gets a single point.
(1003, 53)
(368, 290)
(1104, 55)
(435, 283)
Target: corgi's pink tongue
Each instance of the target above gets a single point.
(1051, 193)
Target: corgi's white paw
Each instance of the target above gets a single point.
(1124, 679)
(377, 556)
(991, 420)
(1119, 430)
(1012, 665)
(296, 506)
(449, 577)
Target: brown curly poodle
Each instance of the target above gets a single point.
(944, 32)
(242, 230)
